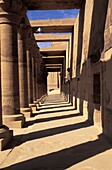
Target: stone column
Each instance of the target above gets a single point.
(5, 134)
(34, 71)
(37, 67)
(29, 76)
(9, 20)
(34, 77)
(43, 77)
(30, 79)
(39, 80)
(0, 86)
(23, 81)
(45, 80)
(39, 77)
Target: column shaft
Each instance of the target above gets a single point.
(36, 71)
(23, 81)
(0, 86)
(5, 134)
(30, 79)
(29, 75)
(9, 70)
(34, 79)
(9, 76)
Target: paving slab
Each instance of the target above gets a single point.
(57, 141)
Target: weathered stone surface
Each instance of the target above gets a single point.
(78, 63)
(108, 28)
(52, 81)
(5, 134)
(96, 42)
(52, 37)
(29, 76)
(53, 51)
(22, 64)
(55, 25)
(93, 51)
(9, 66)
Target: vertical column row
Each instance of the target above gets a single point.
(18, 69)
(9, 89)
(31, 92)
(23, 79)
(9, 71)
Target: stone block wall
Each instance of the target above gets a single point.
(91, 80)
(107, 77)
(53, 80)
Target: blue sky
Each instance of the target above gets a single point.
(51, 14)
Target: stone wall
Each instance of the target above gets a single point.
(91, 63)
(107, 77)
(52, 81)
(91, 78)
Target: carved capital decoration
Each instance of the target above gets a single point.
(11, 6)
(10, 11)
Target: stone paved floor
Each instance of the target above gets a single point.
(57, 138)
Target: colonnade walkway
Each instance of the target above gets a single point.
(57, 138)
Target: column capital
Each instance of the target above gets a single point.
(11, 6)
(11, 11)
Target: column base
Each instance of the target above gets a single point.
(14, 121)
(33, 107)
(6, 136)
(27, 112)
(37, 103)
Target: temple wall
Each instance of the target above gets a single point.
(107, 78)
(91, 78)
(52, 81)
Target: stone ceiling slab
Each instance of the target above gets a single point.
(53, 60)
(53, 26)
(52, 37)
(53, 4)
(53, 69)
(53, 51)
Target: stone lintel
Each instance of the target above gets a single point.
(53, 4)
(52, 37)
(55, 52)
(53, 69)
(53, 60)
(53, 57)
(53, 25)
(56, 48)
(53, 65)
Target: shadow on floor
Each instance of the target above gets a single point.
(52, 111)
(65, 158)
(42, 120)
(50, 132)
(54, 103)
(56, 106)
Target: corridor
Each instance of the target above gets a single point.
(57, 137)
